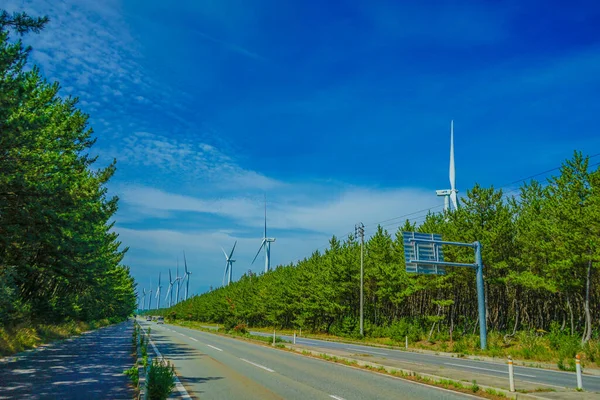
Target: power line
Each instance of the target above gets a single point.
(427, 210)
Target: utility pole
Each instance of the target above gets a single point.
(359, 229)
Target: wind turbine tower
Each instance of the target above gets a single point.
(143, 299)
(186, 277)
(177, 281)
(169, 291)
(266, 243)
(158, 293)
(229, 265)
(150, 299)
(450, 195)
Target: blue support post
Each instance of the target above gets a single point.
(481, 297)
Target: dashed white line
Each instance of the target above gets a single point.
(366, 351)
(216, 348)
(488, 369)
(336, 397)
(195, 340)
(257, 365)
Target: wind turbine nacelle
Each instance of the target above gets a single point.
(445, 192)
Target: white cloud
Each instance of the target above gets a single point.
(288, 209)
(299, 229)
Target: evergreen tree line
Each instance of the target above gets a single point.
(540, 253)
(59, 259)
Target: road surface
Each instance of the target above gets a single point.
(551, 378)
(89, 366)
(217, 367)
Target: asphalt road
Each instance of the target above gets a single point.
(217, 367)
(89, 366)
(537, 375)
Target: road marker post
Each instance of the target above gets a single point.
(294, 337)
(406, 343)
(511, 374)
(273, 337)
(578, 370)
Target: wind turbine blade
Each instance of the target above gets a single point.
(170, 279)
(225, 274)
(168, 291)
(259, 249)
(223, 250)
(454, 199)
(265, 215)
(185, 262)
(452, 171)
(231, 254)
(159, 279)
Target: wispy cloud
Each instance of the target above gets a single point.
(231, 46)
(190, 160)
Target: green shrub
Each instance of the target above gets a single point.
(459, 347)
(133, 374)
(160, 380)
(241, 329)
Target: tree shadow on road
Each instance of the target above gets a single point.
(89, 366)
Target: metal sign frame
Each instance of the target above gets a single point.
(423, 252)
(412, 243)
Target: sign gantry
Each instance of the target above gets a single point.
(423, 255)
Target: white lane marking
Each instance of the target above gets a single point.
(257, 365)
(195, 340)
(216, 348)
(336, 397)
(367, 351)
(489, 369)
(184, 394)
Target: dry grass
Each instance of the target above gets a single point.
(24, 337)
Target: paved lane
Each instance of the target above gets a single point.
(536, 375)
(216, 367)
(85, 367)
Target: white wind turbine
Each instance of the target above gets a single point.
(450, 195)
(186, 277)
(266, 243)
(143, 299)
(229, 265)
(177, 281)
(158, 293)
(169, 291)
(150, 298)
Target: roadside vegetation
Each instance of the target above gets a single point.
(541, 247)
(60, 262)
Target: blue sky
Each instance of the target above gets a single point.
(339, 111)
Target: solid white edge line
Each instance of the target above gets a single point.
(216, 348)
(367, 351)
(257, 365)
(336, 397)
(441, 389)
(489, 369)
(184, 394)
